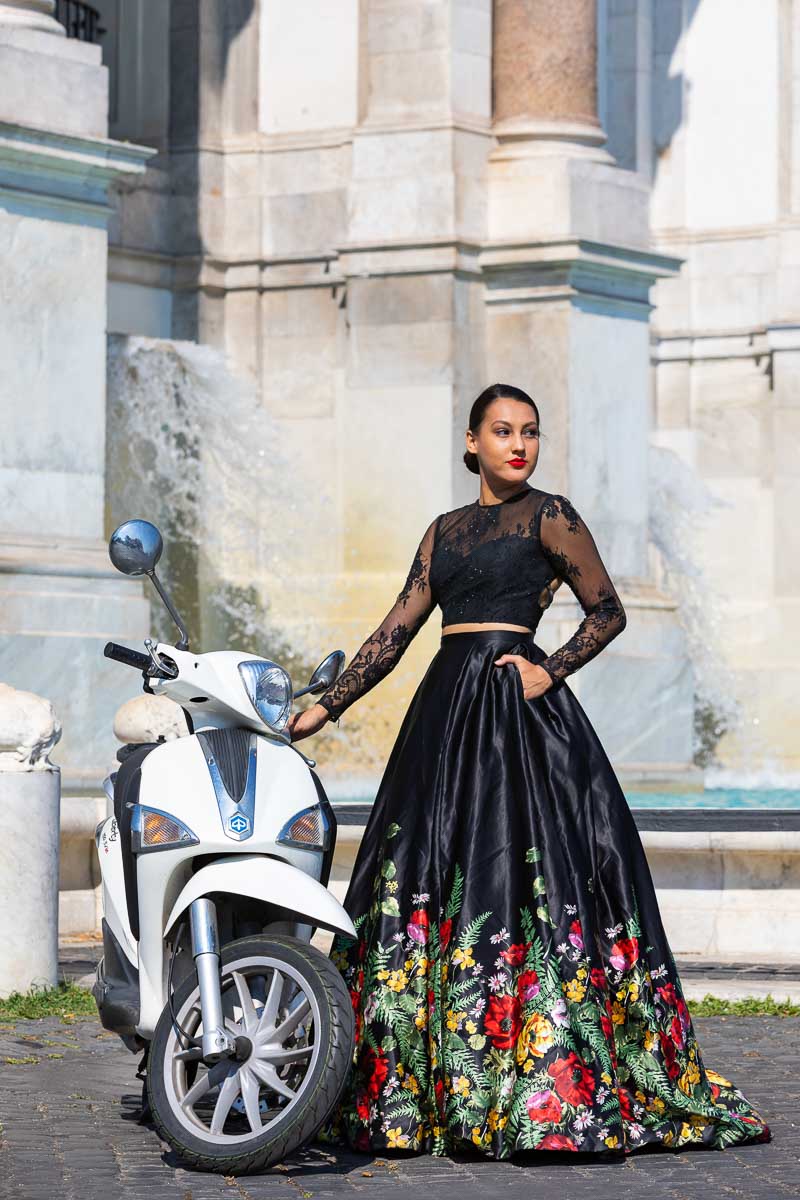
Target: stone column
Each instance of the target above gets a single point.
(568, 269)
(31, 14)
(544, 76)
(59, 597)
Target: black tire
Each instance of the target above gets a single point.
(321, 1092)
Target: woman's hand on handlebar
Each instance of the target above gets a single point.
(303, 724)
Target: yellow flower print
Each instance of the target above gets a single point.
(612, 1142)
(396, 1137)
(471, 1027)
(383, 974)
(422, 964)
(461, 1085)
(421, 1019)
(720, 1080)
(617, 1014)
(581, 972)
(476, 1134)
(463, 958)
(606, 1078)
(649, 1040)
(575, 990)
(494, 1121)
(408, 964)
(398, 980)
(689, 1077)
(453, 1019)
(411, 1084)
(391, 886)
(658, 1104)
(536, 1038)
(340, 959)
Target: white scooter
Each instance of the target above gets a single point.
(215, 864)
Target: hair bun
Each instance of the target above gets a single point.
(471, 462)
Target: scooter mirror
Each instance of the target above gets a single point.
(135, 547)
(328, 670)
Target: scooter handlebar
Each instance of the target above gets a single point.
(124, 654)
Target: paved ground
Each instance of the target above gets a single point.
(69, 1103)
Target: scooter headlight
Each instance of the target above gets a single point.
(269, 690)
(152, 829)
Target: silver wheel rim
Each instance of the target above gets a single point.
(268, 1001)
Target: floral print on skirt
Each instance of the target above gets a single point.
(512, 985)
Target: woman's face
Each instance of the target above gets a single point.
(507, 441)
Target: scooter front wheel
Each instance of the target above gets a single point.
(290, 1012)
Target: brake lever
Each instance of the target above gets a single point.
(161, 670)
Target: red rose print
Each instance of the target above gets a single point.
(375, 1068)
(502, 1021)
(625, 1103)
(556, 1141)
(514, 955)
(544, 1106)
(431, 1000)
(417, 927)
(362, 1107)
(676, 1032)
(438, 1088)
(528, 985)
(624, 953)
(598, 977)
(444, 933)
(670, 1060)
(608, 1031)
(667, 994)
(576, 935)
(573, 1082)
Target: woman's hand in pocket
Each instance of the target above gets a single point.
(535, 680)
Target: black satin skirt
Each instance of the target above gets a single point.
(512, 984)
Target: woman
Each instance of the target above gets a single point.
(512, 984)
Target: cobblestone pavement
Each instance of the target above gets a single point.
(69, 1103)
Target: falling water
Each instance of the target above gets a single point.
(679, 503)
(191, 449)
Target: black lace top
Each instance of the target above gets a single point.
(494, 563)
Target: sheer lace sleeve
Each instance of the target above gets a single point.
(383, 649)
(570, 548)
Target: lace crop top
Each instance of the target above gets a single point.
(493, 563)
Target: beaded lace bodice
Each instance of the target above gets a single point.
(493, 563)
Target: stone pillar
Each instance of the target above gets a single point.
(545, 75)
(568, 269)
(59, 597)
(31, 14)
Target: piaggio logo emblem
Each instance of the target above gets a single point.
(239, 824)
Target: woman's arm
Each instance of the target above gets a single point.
(383, 649)
(570, 549)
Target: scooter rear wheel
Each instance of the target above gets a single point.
(288, 1007)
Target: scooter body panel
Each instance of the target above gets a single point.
(115, 905)
(175, 779)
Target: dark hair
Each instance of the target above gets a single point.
(497, 391)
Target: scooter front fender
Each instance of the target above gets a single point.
(268, 879)
(252, 875)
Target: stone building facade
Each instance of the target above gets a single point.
(376, 207)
